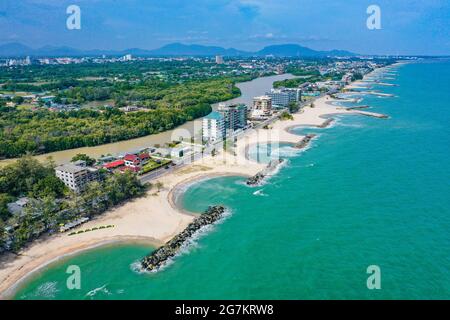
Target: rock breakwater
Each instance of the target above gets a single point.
(305, 141)
(160, 256)
(326, 123)
(257, 178)
(358, 107)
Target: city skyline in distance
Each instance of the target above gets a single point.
(407, 27)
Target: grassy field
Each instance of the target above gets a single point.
(153, 165)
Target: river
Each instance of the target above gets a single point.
(249, 89)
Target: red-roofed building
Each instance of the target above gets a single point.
(130, 157)
(144, 156)
(114, 165)
(132, 160)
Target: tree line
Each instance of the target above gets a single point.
(166, 106)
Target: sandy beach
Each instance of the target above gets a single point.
(154, 218)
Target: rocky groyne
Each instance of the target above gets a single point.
(160, 256)
(372, 114)
(326, 123)
(376, 93)
(304, 142)
(257, 178)
(357, 107)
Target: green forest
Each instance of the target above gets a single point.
(164, 104)
(51, 203)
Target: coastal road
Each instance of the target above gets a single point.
(178, 165)
(158, 173)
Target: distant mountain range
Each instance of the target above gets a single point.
(173, 49)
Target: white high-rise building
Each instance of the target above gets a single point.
(235, 116)
(283, 96)
(219, 59)
(213, 128)
(127, 57)
(262, 107)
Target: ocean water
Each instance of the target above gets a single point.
(367, 192)
(265, 152)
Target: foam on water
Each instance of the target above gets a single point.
(99, 291)
(136, 267)
(260, 193)
(47, 290)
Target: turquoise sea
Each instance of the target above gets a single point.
(367, 192)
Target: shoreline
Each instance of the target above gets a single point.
(328, 122)
(70, 252)
(180, 188)
(156, 215)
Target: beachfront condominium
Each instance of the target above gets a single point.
(235, 116)
(262, 107)
(213, 128)
(284, 96)
(219, 59)
(76, 175)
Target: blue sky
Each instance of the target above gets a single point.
(408, 26)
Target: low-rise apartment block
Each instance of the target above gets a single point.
(76, 175)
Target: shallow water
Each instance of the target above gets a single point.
(266, 152)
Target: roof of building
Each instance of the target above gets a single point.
(17, 207)
(80, 163)
(22, 201)
(130, 157)
(114, 164)
(144, 155)
(106, 158)
(214, 115)
(262, 98)
(70, 168)
(224, 107)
